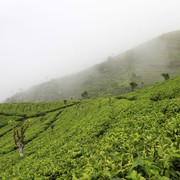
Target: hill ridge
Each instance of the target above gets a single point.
(144, 63)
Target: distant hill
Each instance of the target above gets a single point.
(143, 64)
(132, 136)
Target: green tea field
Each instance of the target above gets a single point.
(134, 136)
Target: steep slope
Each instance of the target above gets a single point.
(102, 138)
(165, 90)
(143, 64)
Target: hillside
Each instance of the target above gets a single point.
(143, 64)
(133, 136)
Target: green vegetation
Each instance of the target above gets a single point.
(133, 85)
(165, 76)
(164, 90)
(144, 63)
(135, 136)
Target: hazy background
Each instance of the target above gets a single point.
(45, 39)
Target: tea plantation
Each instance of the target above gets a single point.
(135, 136)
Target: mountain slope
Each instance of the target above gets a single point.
(143, 64)
(156, 92)
(102, 138)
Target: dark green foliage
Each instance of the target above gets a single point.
(133, 85)
(165, 76)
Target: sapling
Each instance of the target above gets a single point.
(110, 101)
(65, 102)
(79, 107)
(19, 137)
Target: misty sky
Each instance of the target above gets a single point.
(45, 39)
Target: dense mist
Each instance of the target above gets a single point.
(43, 40)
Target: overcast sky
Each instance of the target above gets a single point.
(45, 39)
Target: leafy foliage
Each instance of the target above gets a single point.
(166, 76)
(133, 85)
(109, 138)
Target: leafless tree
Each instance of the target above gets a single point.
(19, 138)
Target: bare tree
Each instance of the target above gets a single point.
(19, 136)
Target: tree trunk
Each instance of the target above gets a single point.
(21, 150)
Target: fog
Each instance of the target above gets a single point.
(45, 39)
